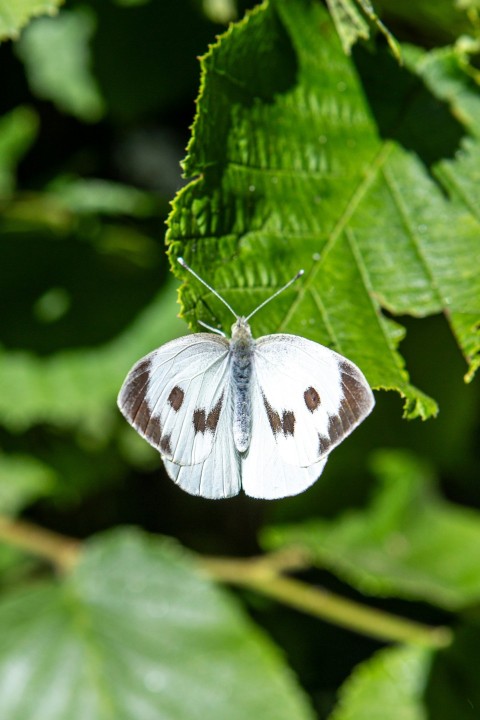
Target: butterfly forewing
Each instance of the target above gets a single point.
(175, 396)
(312, 397)
(218, 476)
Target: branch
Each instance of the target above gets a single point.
(256, 575)
(58, 549)
(262, 575)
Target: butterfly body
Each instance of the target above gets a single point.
(259, 415)
(241, 350)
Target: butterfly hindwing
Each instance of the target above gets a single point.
(312, 396)
(175, 396)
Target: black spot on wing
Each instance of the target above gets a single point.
(176, 398)
(133, 395)
(357, 395)
(273, 417)
(214, 416)
(284, 424)
(355, 405)
(136, 408)
(288, 422)
(142, 416)
(312, 399)
(339, 426)
(199, 421)
(203, 422)
(153, 430)
(165, 445)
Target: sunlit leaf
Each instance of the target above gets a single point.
(294, 171)
(220, 11)
(57, 61)
(22, 480)
(349, 18)
(14, 14)
(18, 130)
(408, 542)
(389, 685)
(445, 74)
(137, 632)
(94, 195)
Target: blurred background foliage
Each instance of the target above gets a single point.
(95, 113)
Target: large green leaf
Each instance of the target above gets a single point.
(14, 14)
(298, 167)
(137, 633)
(389, 686)
(408, 542)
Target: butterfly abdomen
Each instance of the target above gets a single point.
(241, 349)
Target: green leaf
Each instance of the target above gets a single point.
(79, 387)
(18, 130)
(297, 167)
(22, 480)
(137, 632)
(14, 14)
(441, 21)
(445, 72)
(408, 542)
(351, 24)
(390, 685)
(94, 195)
(56, 54)
(15, 566)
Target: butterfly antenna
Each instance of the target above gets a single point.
(187, 267)
(290, 282)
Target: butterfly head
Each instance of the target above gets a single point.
(241, 333)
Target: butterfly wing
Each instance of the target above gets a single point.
(218, 476)
(312, 397)
(265, 474)
(175, 396)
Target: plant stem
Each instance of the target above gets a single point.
(254, 575)
(262, 574)
(58, 549)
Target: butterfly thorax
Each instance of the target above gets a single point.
(241, 350)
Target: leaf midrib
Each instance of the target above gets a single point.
(357, 196)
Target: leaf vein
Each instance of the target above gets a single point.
(404, 216)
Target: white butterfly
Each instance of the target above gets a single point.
(261, 415)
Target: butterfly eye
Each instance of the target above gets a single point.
(312, 399)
